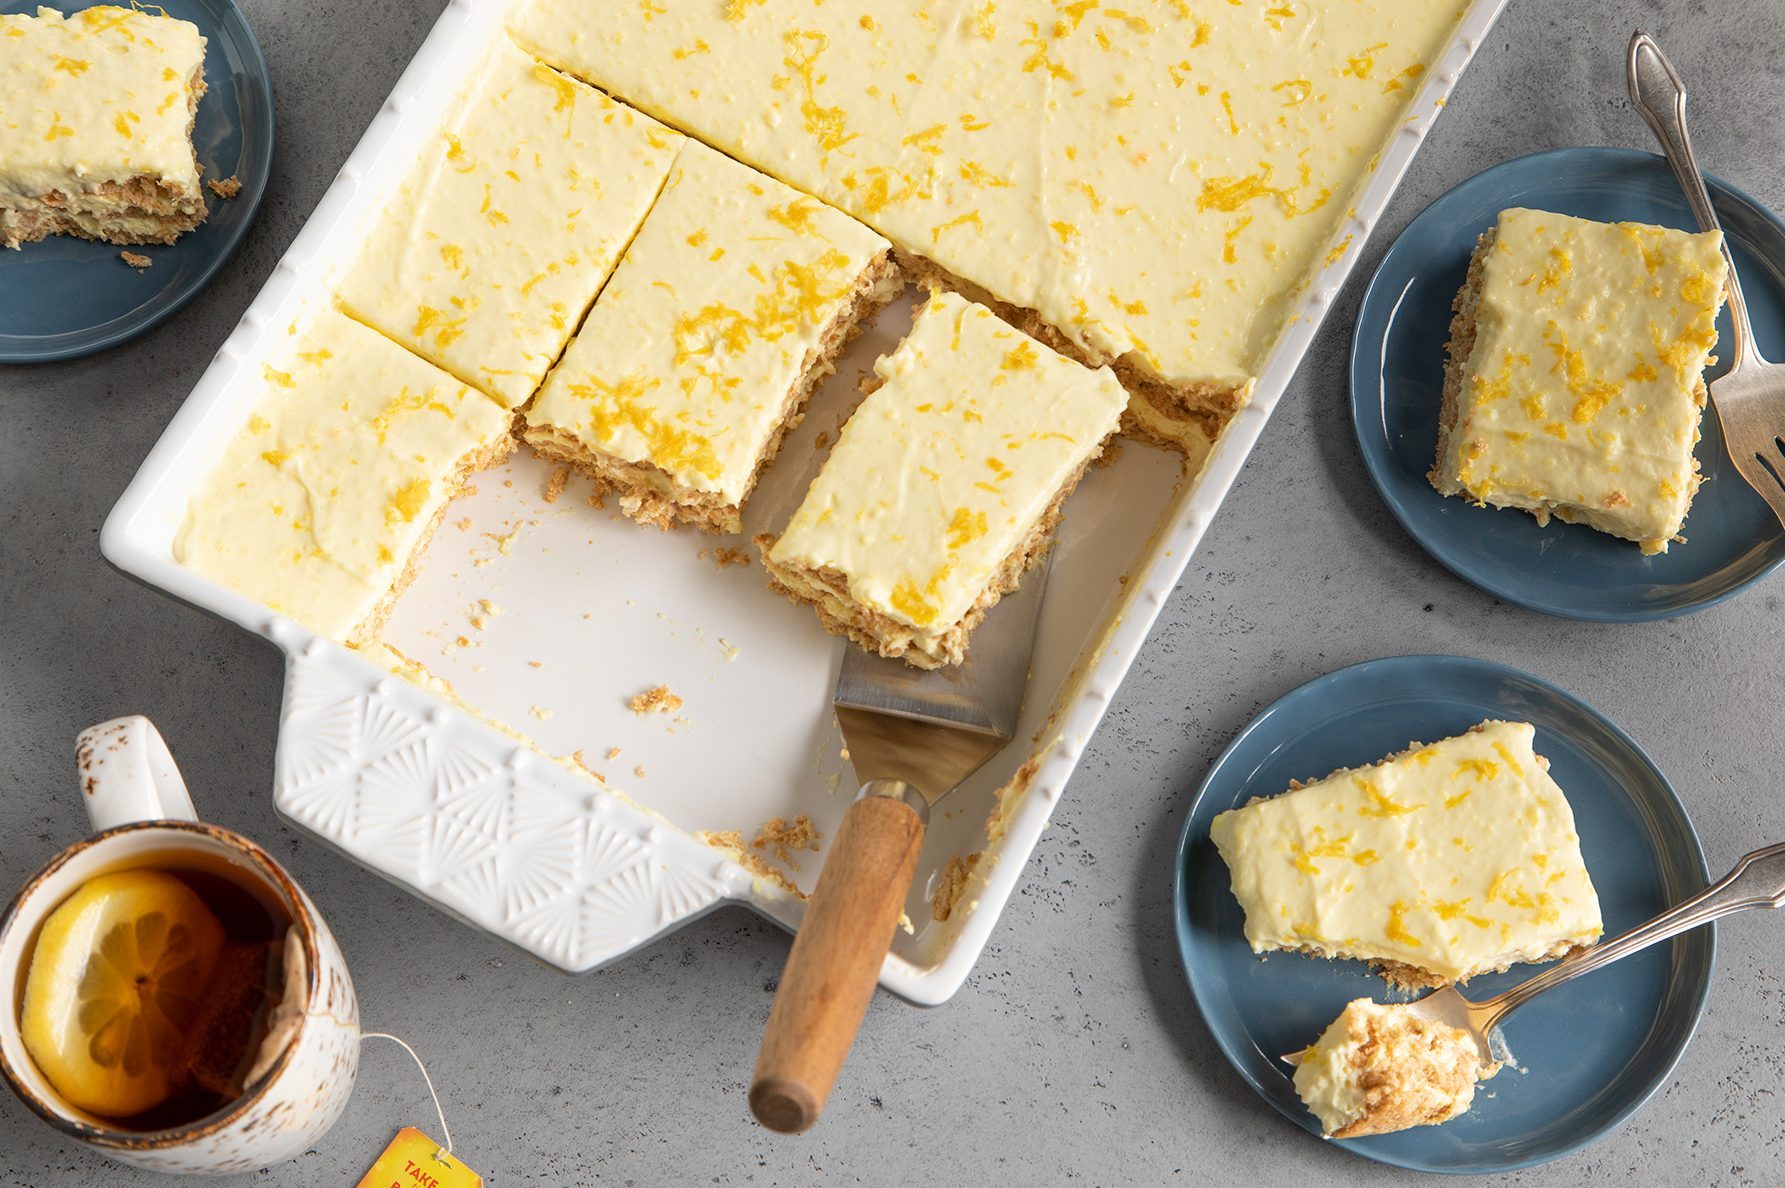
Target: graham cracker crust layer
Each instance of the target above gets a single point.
(1456, 362)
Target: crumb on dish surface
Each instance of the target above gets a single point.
(951, 884)
(786, 837)
(655, 700)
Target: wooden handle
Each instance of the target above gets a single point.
(835, 962)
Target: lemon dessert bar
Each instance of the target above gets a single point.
(96, 113)
(321, 503)
(494, 246)
(945, 485)
(1151, 186)
(729, 307)
(1380, 1068)
(1575, 379)
(1436, 864)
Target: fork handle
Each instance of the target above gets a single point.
(836, 956)
(1660, 98)
(1758, 880)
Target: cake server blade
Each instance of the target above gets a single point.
(912, 737)
(932, 729)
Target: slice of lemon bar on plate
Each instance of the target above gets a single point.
(96, 113)
(945, 485)
(1575, 379)
(493, 247)
(728, 308)
(320, 504)
(1436, 864)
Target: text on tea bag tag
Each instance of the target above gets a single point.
(413, 1160)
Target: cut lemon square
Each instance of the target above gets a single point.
(114, 983)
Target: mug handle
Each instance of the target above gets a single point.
(128, 775)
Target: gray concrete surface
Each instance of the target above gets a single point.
(1074, 1052)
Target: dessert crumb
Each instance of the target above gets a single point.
(639, 771)
(823, 439)
(226, 188)
(785, 837)
(732, 842)
(655, 700)
(136, 260)
(950, 885)
(725, 558)
(613, 752)
(576, 757)
(554, 486)
(597, 498)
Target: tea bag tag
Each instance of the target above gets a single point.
(413, 1160)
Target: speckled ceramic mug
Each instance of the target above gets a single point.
(139, 808)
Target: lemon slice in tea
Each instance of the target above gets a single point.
(114, 983)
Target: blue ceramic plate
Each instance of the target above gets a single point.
(82, 297)
(1397, 373)
(1591, 1051)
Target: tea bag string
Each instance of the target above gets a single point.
(429, 1081)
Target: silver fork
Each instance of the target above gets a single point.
(1750, 398)
(1758, 880)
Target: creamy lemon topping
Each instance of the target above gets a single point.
(496, 243)
(1583, 391)
(104, 95)
(1380, 1068)
(1155, 179)
(1453, 858)
(354, 446)
(944, 471)
(688, 359)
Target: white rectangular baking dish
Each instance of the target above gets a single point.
(586, 609)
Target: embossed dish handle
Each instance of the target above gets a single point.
(836, 956)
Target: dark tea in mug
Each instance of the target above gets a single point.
(148, 991)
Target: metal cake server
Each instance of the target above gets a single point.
(1757, 881)
(912, 737)
(1750, 398)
